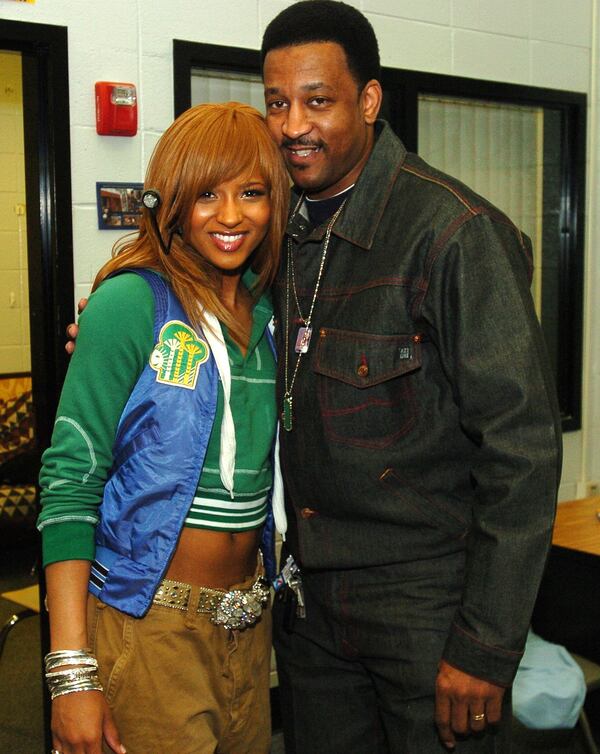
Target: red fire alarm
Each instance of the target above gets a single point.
(116, 109)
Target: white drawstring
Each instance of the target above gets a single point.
(214, 335)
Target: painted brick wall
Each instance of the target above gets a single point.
(537, 42)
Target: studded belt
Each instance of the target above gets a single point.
(233, 609)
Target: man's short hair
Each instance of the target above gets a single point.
(327, 21)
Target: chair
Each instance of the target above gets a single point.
(19, 464)
(29, 598)
(591, 674)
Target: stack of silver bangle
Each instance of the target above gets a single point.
(80, 675)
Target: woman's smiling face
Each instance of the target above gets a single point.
(230, 220)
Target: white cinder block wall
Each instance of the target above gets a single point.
(536, 42)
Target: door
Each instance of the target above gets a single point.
(36, 281)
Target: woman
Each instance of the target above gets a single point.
(156, 489)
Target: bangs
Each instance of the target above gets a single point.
(234, 144)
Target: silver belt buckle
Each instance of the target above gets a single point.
(239, 609)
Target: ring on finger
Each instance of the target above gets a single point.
(478, 718)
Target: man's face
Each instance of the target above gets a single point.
(318, 117)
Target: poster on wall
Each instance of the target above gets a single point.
(119, 205)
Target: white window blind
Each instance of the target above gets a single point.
(222, 86)
(496, 149)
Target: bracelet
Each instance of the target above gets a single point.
(82, 675)
(73, 689)
(71, 682)
(69, 652)
(64, 655)
(73, 674)
(88, 661)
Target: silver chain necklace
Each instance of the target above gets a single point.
(304, 332)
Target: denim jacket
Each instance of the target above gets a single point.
(425, 418)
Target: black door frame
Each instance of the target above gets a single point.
(44, 55)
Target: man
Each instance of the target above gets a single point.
(420, 443)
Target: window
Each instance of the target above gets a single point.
(224, 86)
(523, 148)
(495, 149)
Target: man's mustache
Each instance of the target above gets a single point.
(301, 142)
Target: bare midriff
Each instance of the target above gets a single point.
(216, 559)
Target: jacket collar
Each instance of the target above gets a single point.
(360, 219)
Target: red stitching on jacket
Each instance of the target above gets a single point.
(483, 644)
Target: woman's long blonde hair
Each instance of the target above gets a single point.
(205, 146)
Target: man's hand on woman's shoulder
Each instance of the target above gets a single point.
(73, 329)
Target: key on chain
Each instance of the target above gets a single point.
(295, 584)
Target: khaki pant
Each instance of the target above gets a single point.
(177, 684)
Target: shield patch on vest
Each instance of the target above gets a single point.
(177, 356)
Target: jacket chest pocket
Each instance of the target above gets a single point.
(366, 385)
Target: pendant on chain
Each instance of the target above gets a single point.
(303, 339)
(287, 412)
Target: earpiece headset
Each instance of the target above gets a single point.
(151, 200)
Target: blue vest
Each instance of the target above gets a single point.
(158, 456)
